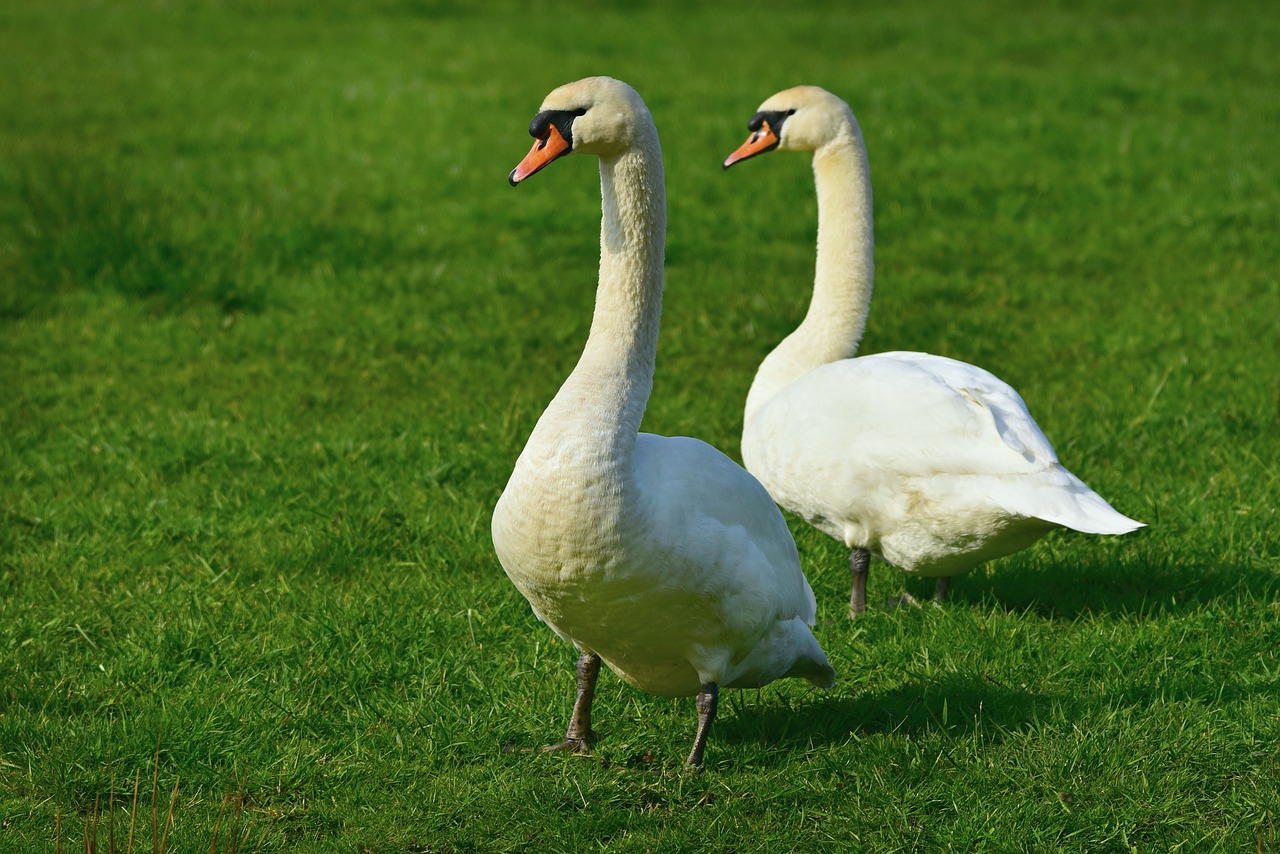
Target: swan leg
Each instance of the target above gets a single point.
(579, 735)
(944, 584)
(859, 565)
(708, 700)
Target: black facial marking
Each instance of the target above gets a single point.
(775, 118)
(562, 119)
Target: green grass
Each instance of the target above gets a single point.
(273, 329)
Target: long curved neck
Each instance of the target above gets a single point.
(602, 402)
(843, 275)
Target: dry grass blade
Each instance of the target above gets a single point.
(1268, 844)
(168, 819)
(155, 786)
(245, 838)
(111, 814)
(233, 836)
(217, 824)
(91, 828)
(133, 812)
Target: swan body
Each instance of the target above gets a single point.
(934, 464)
(657, 555)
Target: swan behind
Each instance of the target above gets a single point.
(934, 464)
(658, 556)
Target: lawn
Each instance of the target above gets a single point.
(274, 328)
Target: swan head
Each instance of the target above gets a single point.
(803, 118)
(595, 115)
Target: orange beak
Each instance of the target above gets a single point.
(545, 150)
(758, 143)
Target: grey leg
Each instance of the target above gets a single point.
(578, 737)
(944, 584)
(859, 564)
(708, 700)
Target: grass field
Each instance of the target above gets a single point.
(273, 329)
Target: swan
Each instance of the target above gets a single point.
(657, 555)
(934, 464)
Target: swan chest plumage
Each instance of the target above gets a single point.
(932, 463)
(651, 575)
(658, 556)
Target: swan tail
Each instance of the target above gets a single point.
(789, 651)
(1060, 498)
(811, 663)
(1094, 515)
(823, 676)
(816, 671)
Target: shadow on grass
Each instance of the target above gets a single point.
(957, 706)
(1134, 587)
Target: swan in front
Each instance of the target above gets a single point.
(657, 555)
(934, 464)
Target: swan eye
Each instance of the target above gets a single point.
(540, 127)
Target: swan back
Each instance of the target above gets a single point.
(933, 463)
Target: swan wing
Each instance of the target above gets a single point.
(987, 394)
(722, 524)
(911, 414)
(743, 601)
(881, 438)
(1054, 494)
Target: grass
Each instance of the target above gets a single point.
(273, 330)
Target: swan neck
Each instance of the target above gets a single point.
(843, 274)
(605, 396)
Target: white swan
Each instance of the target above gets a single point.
(934, 464)
(659, 556)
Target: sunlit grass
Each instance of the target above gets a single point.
(273, 329)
